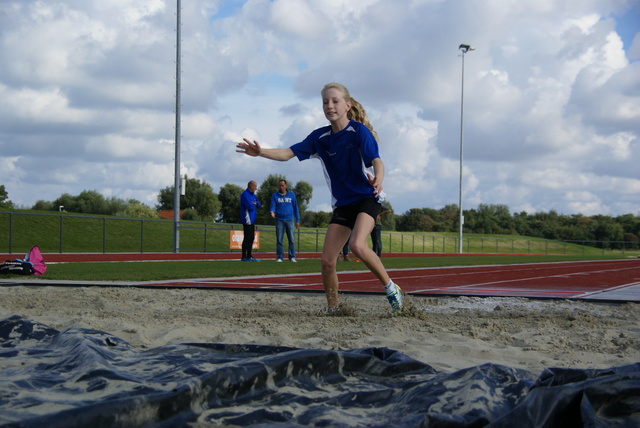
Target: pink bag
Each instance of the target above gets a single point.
(34, 256)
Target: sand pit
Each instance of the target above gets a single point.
(447, 333)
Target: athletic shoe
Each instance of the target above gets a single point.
(396, 299)
(279, 260)
(251, 259)
(293, 260)
(332, 311)
(244, 259)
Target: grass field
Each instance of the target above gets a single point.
(157, 271)
(72, 233)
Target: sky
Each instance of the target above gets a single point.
(551, 97)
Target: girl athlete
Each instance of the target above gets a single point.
(354, 171)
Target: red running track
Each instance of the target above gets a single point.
(600, 280)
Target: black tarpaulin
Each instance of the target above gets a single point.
(88, 378)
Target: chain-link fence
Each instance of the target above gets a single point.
(74, 233)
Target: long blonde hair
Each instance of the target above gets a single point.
(356, 112)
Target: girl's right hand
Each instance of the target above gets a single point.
(249, 148)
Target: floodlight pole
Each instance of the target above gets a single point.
(464, 49)
(178, 180)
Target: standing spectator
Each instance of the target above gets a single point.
(376, 233)
(249, 205)
(345, 252)
(284, 208)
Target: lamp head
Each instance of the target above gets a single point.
(466, 48)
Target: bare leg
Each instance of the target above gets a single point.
(334, 240)
(359, 246)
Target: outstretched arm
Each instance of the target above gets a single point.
(253, 149)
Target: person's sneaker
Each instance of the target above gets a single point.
(396, 300)
(279, 260)
(332, 311)
(346, 258)
(244, 259)
(293, 260)
(251, 259)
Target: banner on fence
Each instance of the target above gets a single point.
(236, 237)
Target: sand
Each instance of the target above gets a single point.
(447, 333)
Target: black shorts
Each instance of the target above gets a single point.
(346, 215)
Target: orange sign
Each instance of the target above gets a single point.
(236, 237)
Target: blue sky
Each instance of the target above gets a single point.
(552, 99)
(628, 24)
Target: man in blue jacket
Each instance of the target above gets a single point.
(249, 205)
(284, 208)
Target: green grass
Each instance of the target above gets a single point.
(74, 233)
(158, 271)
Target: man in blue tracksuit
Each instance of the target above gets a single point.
(249, 205)
(284, 208)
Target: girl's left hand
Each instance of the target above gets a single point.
(377, 187)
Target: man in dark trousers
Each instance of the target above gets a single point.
(249, 205)
(376, 233)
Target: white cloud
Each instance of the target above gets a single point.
(31, 107)
(552, 108)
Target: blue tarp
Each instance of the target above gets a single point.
(88, 378)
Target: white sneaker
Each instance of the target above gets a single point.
(279, 260)
(293, 260)
(396, 300)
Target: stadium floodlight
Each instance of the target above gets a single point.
(464, 48)
(177, 179)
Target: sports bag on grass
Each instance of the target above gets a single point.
(33, 264)
(16, 267)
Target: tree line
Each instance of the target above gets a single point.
(200, 202)
(498, 220)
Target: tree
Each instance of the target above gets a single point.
(198, 195)
(302, 189)
(87, 202)
(42, 205)
(4, 198)
(493, 219)
(304, 192)
(449, 219)
(64, 202)
(415, 220)
(630, 224)
(115, 205)
(315, 219)
(229, 198)
(265, 189)
(90, 202)
(136, 209)
(389, 219)
(606, 229)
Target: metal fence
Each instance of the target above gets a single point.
(74, 233)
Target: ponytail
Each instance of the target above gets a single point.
(359, 114)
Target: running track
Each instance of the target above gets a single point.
(609, 280)
(617, 280)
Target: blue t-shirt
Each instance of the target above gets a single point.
(285, 206)
(346, 157)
